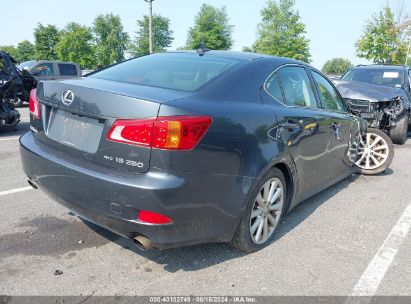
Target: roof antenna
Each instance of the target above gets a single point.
(202, 49)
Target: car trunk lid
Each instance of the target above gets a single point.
(76, 116)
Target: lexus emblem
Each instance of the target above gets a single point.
(68, 97)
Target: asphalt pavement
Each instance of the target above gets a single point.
(350, 239)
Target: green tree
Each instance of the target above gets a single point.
(337, 66)
(25, 51)
(281, 32)
(211, 26)
(381, 41)
(248, 49)
(10, 49)
(162, 36)
(110, 39)
(46, 39)
(76, 45)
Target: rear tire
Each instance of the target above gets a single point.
(376, 152)
(398, 133)
(263, 213)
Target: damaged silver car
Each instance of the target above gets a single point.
(381, 95)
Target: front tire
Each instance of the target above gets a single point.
(398, 133)
(375, 152)
(263, 213)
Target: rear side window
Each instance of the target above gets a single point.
(272, 86)
(67, 69)
(178, 71)
(298, 90)
(329, 96)
(45, 69)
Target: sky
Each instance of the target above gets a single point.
(332, 26)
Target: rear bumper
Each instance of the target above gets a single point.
(204, 208)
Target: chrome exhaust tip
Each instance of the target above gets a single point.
(143, 243)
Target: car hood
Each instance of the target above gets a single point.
(364, 91)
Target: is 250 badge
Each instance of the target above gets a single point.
(126, 162)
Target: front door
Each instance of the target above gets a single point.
(343, 126)
(304, 126)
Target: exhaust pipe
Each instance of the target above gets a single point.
(142, 243)
(32, 184)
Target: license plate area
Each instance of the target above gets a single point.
(79, 132)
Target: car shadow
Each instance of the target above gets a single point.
(193, 258)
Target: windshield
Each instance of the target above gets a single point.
(383, 77)
(178, 71)
(26, 65)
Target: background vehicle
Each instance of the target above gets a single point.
(392, 76)
(51, 70)
(14, 84)
(184, 148)
(48, 70)
(398, 78)
(384, 108)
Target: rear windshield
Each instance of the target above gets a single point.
(178, 71)
(383, 77)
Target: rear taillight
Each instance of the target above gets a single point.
(34, 104)
(153, 218)
(169, 133)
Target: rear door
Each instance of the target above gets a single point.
(304, 127)
(343, 126)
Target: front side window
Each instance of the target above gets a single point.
(45, 69)
(329, 96)
(298, 90)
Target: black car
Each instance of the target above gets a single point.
(183, 148)
(380, 94)
(14, 84)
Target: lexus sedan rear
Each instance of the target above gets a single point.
(183, 148)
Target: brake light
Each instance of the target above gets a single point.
(34, 104)
(169, 133)
(153, 218)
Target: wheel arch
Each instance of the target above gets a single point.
(290, 182)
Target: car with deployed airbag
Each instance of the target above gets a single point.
(182, 148)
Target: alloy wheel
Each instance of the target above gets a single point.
(266, 211)
(373, 151)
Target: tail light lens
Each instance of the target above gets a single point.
(34, 104)
(169, 133)
(153, 218)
